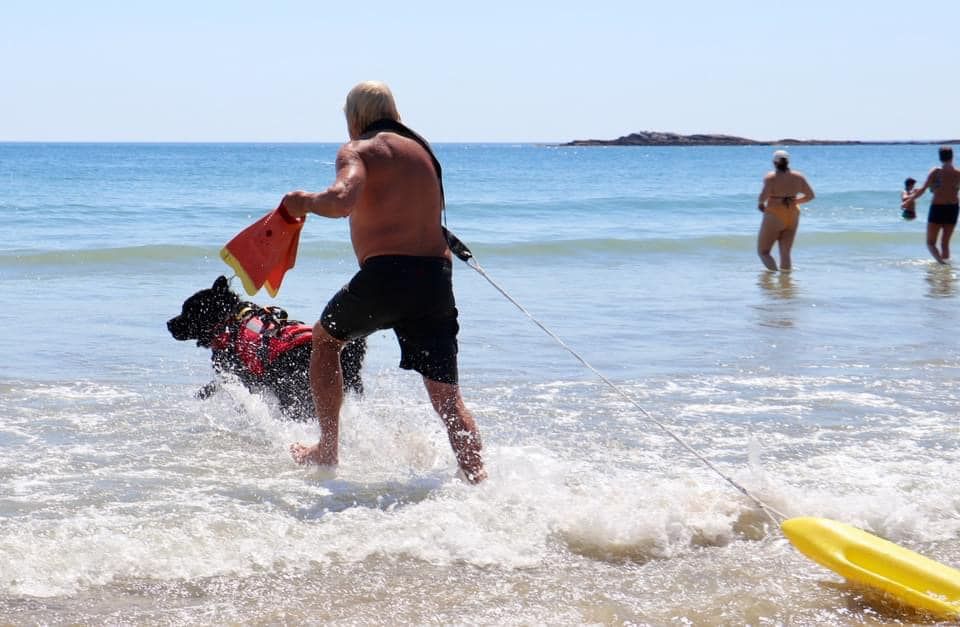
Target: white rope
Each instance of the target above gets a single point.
(768, 510)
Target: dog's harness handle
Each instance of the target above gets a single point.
(255, 331)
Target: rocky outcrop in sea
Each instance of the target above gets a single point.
(657, 138)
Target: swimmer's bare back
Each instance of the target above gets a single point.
(399, 206)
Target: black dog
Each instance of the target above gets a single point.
(260, 346)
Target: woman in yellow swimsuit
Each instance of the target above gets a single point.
(783, 193)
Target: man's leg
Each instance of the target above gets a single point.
(933, 231)
(351, 361)
(326, 383)
(945, 240)
(769, 232)
(461, 427)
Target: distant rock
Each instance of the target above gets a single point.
(656, 138)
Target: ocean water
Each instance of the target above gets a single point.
(829, 391)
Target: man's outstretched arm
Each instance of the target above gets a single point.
(338, 200)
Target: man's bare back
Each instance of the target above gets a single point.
(945, 184)
(398, 208)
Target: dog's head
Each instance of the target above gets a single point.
(204, 313)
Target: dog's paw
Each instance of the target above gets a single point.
(208, 390)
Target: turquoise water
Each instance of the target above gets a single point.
(829, 391)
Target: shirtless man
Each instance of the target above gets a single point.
(388, 185)
(942, 219)
(783, 193)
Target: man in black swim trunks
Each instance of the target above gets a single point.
(388, 184)
(942, 219)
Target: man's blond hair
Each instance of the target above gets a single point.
(368, 102)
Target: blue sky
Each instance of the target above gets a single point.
(493, 71)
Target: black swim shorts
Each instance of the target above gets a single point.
(943, 214)
(411, 295)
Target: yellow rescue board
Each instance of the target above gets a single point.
(865, 559)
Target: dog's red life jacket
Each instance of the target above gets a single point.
(259, 335)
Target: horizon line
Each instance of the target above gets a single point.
(785, 140)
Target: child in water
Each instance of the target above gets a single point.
(908, 204)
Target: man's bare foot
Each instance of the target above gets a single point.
(307, 455)
(475, 476)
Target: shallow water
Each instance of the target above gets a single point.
(829, 391)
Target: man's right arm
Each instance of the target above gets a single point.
(919, 191)
(338, 200)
